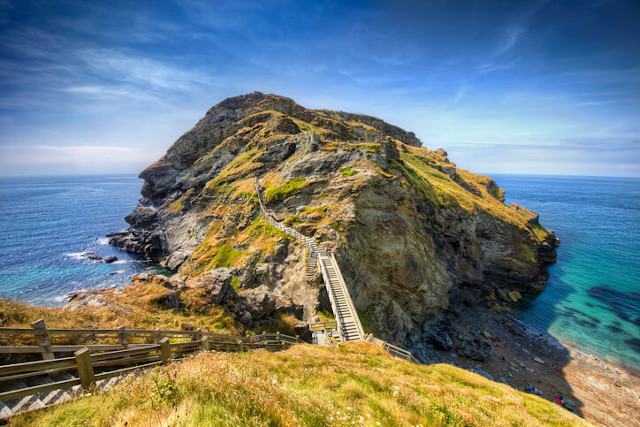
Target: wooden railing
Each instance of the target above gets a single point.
(84, 363)
(113, 359)
(46, 341)
(393, 350)
(352, 308)
(322, 326)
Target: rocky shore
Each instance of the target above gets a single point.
(504, 349)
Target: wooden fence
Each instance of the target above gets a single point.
(114, 359)
(393, 350)
(48, 342)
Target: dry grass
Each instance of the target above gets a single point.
(139, 306)
(306, 385)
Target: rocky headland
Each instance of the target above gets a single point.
(417, 238)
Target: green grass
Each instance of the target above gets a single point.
(419, 183)
(525, 253)
(225, 256)
(279, 192)
(306, 385)
(347, 171)
(539, 231)
(176, 206)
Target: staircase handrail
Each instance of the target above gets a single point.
(332, 298)
(352, 307)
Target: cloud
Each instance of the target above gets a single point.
(461, 93)
(510, 38)
(141, 71)
(90, 159)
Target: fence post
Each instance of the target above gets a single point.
(85, 368)
(157, 336)
(43, 339)
(165, 350)
(124, 337)
(198, 335)
(204, 343)
(240, 346)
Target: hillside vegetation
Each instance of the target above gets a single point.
(306, 385)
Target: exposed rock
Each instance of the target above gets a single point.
(439, 336)
(302, 331)
(416, 235)
(259, 302)
(515, 296)
(217, 285)
(475, 349)
(173, 300)
(91, 255)
(110, 258)
(90, 299)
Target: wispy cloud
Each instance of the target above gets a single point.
(461, 93)
(512, 35)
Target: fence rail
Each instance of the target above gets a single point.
(119, 359)
(122, 339)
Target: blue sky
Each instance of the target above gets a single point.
(545, 87)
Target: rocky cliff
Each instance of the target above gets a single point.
(415, 235)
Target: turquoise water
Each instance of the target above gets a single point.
(592, 299)
(46, 222)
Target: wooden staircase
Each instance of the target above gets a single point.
(347, 320)
(348, 323)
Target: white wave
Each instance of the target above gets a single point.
(76, 255)
(103, 240)
(120, 261)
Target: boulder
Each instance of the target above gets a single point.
(475, 349)
(110, 258)
(287, 306)
(173, 300)
(217, 285)
(503, 295)
(91, 255)
(515, 296)
(439, 336)
(260, 302)
(245, 318)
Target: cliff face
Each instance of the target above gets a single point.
(415, 234)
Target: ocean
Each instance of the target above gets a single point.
(592, 299)
(46, 222)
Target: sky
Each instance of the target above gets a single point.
(530, 87)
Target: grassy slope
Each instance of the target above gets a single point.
(306, 385)
(420, 167)
(139, 306)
